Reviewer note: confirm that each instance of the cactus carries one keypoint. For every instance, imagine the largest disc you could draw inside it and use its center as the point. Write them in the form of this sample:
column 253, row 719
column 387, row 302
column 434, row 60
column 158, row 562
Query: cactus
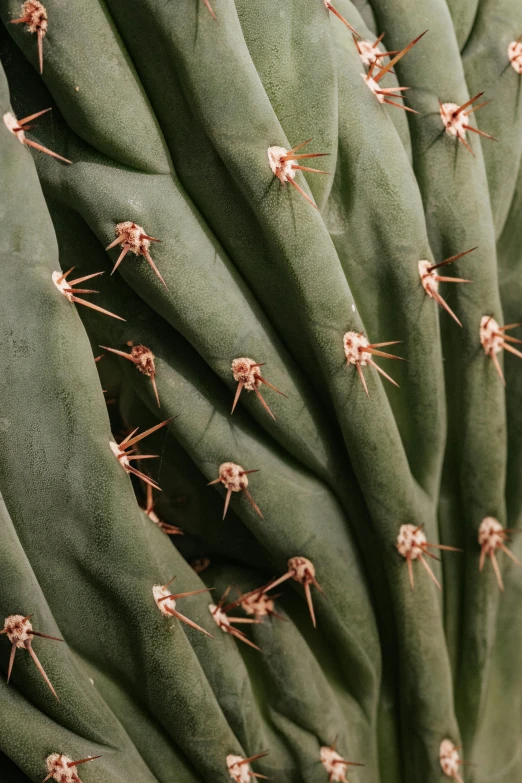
column 298, row 624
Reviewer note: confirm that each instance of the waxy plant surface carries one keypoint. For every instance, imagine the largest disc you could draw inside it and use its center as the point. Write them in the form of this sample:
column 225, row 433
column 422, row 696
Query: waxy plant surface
column 260, row 420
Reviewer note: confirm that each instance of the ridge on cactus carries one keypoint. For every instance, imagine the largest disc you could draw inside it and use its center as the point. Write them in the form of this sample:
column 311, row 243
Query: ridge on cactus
column 179, row 118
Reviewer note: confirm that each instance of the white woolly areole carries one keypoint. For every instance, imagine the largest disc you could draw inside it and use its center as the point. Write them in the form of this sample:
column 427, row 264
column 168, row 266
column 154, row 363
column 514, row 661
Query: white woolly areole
column 219, row 617
column 428, row 279
column 231, row 476
column 453, row 123
column 245, row 372
column 119, row 454
column 490, row 337
column 373, row 86
column 515, row 55
column 61, row 285
column 368, row 52
column 333, row 763
column 281, row 168
column 133, row 235
column 238, row 772
column 18, row 629
column 36, row 16
column 354, row 345
column 490, row 535
column 159, row 591
column 302, row 569
column 258, row 604
column 11, row 123
column 449, row 758
column 57, row 767
column 411, row 541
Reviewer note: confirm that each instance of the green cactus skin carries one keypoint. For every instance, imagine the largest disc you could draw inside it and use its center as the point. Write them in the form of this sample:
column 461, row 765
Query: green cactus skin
column 487, row 69
column 167, row 114
column 480, row 450
column 59, row 355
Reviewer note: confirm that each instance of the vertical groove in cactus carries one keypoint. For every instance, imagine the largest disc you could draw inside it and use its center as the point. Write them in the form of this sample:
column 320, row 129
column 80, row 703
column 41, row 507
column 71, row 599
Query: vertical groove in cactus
column 260, row 428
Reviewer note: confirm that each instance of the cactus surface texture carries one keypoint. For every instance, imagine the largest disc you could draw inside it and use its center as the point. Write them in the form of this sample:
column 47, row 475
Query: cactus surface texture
column 260, row 424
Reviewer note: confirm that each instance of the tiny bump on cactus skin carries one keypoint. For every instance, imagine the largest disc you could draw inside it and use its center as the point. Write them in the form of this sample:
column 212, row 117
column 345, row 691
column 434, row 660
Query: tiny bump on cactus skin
column 455, row 120
column 235, row 479
column 225, row 623
column 413, row 545
column 34, row 16
column 239, row 767
column 450, row 760
column 63, row 769
column 283, row 165
column 515, row 56
column 358, row 351
column 493, row 339
column 134, row 239
column 246, row 373
column 19, row 631
column 335, row 765
column 430, row 280
column 491, row 537
column 19, row 127
column 166, row 603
